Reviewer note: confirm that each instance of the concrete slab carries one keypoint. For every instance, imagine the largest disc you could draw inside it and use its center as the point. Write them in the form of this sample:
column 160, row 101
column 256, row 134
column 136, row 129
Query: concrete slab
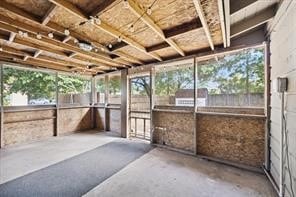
column 16, row 161
column 162, row 173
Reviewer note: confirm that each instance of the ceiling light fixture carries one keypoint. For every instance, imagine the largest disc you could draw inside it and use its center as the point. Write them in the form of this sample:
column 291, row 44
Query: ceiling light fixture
column 125, row 4
column 50, row 35
column 132, row 29
column 38, row 36
column 67, row 32
column 25, row 34
column 119, row 39
column 20, row 33
column 149, row 11
column 85, row 46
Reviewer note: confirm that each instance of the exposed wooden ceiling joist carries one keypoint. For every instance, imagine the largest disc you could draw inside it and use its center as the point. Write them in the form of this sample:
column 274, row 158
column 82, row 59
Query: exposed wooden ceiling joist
column 33, row 62
column 50, row 13
column 52, row 42
column 150, row 23
column 183, row 28
column 203, row 20
column 227, row 21
column 11, row 37
column 169, row 33
column 253, row 22
column 103, row 26
column 222, row 22
column 37, row 53
column 50, row 60
column 50, row 26
column 236, row 5
column 158, row 46
column 103, row 6
column 50, row 50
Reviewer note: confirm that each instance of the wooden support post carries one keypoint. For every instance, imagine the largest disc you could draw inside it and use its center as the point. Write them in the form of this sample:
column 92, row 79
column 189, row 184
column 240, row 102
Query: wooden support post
column 124, row 100
column 56, row 131
column 195, row 105
column 152, row 92
column 93, row 102
column 267, row 104
column 107, row 118
column 2, row 112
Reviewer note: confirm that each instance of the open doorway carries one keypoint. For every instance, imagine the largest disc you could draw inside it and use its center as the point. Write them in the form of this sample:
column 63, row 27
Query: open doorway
column 139, row 107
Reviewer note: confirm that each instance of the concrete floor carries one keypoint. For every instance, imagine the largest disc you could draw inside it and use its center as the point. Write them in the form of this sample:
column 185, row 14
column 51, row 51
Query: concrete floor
column 16, row 161
column 160, row 172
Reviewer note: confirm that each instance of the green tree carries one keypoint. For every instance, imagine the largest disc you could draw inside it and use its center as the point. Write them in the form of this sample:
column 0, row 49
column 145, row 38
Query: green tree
column 39, row 84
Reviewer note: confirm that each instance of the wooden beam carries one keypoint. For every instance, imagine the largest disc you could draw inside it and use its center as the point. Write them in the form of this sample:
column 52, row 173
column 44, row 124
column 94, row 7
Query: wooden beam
column 49, row 27
column 103, row 6
column 118, row 45
column 11, row 37
column 103, row 26
column 44, row 58
column 183, row 28
column 56, row 43
column 72, row 54
column 237, row 5
column 227, row 21
column 19, row 59
column 157, row 46
column 50, row 50
column 26, row 57
column 222, row 22
column 255, row 21
column 150, row 23
column 203, row 20
column 66, row 39
column 49, row 14
column 37, row 53
column 127, row 57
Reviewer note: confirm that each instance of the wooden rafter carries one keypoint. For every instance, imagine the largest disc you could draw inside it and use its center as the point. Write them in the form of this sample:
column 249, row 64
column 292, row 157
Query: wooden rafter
column 50, row 50
column 49, row 14
column 50, row 26
column 53, row 42
column 255, row 21
column 33, row 62
column 103, row 6
column 150, row 23
column 237, row 5
column 11, row 37
column 203, row 20
column 227, row 21
column 37, row 53
column 103, row 26
column 183, row 28
column 222, row 22
column 44, row 58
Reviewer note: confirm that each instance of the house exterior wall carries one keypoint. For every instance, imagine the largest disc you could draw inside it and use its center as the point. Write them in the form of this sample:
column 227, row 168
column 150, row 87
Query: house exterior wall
column 283, row 64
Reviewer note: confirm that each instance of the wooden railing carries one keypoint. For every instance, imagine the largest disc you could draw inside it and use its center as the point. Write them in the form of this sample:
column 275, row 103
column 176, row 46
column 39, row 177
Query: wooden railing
column 139, row 121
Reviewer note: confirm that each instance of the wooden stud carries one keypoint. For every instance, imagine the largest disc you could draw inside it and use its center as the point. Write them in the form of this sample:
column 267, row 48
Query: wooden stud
column 203, row 20
column 148, row 21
